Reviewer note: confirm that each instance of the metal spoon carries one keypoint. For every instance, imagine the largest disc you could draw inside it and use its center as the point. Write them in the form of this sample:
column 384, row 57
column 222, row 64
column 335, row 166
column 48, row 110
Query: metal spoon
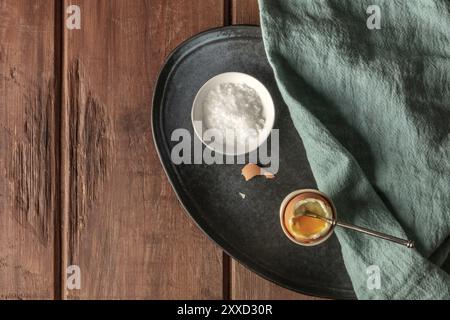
column 407, row 243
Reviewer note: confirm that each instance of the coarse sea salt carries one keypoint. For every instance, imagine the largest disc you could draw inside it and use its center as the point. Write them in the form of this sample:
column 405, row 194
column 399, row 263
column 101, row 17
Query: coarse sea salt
column 234, row 108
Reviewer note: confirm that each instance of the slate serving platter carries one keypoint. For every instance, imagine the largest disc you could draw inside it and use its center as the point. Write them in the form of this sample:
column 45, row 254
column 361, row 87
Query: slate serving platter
column 247, row 229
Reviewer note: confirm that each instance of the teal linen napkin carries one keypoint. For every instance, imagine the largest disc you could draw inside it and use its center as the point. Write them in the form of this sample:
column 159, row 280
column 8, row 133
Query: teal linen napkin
column 373, row 110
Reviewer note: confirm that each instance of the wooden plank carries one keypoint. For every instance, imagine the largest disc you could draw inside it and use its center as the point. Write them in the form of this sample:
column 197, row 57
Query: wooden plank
column 28, row 152
column 244, row 283
column 123, row 225
column 245, row 12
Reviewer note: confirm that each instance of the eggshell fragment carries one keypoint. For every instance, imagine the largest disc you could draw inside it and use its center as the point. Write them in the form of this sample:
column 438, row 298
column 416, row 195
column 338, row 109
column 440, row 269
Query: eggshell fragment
column 252, row 170
column 267, row 174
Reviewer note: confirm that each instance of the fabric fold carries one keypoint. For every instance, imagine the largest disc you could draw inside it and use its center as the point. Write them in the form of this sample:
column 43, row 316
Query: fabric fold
column 372, row 108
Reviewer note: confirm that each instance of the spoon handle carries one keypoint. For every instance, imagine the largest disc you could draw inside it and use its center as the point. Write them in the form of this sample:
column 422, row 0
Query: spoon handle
column 407, row 243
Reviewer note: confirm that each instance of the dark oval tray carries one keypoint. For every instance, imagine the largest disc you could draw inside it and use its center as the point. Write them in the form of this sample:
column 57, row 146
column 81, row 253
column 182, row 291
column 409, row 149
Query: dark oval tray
column 247, row 229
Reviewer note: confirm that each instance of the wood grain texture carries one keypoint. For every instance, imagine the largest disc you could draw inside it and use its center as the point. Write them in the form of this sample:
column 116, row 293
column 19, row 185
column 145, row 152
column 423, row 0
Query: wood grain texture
column 28, row 152
column 245, row 12
column 123, row 224
column 247, row 285
column 244, row 283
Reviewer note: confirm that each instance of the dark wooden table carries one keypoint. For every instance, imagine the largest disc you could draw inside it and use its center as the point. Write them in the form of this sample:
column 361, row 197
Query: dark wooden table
column 81, row 183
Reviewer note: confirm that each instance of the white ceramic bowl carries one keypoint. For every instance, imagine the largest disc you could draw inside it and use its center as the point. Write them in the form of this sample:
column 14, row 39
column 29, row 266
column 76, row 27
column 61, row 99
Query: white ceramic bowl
column 238, row 78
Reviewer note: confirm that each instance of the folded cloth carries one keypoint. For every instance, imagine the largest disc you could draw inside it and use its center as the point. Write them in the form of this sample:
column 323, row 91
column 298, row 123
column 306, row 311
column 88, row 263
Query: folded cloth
column 372, row 107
